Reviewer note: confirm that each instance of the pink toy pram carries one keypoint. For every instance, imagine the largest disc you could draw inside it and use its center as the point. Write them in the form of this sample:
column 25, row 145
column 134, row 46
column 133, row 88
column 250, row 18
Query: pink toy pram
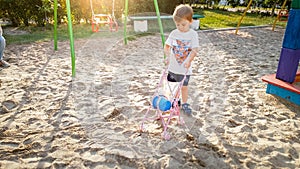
column 166, row 107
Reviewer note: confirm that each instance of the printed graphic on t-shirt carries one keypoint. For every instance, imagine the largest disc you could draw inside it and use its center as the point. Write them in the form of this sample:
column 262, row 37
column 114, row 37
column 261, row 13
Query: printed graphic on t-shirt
column 181, row 50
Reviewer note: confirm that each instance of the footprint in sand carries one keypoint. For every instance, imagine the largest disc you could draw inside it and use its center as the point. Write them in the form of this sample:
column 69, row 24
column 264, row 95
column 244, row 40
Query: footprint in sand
column 8, row 105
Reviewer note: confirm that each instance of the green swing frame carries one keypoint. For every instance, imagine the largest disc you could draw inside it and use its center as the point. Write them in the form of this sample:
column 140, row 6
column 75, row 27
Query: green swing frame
column 70, row 29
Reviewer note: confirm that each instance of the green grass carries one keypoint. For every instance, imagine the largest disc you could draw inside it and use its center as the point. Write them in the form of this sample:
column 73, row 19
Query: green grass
column 34, row 35
column 38, row 34
column 214, row 19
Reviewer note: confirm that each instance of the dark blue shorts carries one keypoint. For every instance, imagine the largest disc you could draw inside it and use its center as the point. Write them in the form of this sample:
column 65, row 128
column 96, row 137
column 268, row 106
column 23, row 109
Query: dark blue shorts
column 172, row 77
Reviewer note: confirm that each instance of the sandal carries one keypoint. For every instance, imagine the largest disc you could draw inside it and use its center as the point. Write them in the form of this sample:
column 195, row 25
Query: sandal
column 4, row 64
column 186, row 109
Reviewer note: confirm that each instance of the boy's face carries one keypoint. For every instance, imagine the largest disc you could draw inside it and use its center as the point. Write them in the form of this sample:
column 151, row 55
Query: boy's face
column 183, row 25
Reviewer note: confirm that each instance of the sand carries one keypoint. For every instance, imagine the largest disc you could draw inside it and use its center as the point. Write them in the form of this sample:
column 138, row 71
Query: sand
column 50, row 120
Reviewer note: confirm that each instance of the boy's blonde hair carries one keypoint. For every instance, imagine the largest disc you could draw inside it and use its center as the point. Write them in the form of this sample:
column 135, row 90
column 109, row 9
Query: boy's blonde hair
column 183, row 12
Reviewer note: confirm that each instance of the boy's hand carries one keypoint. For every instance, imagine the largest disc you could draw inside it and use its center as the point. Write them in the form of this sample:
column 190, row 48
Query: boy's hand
column 187, row 64
column 167, row 60
column 167, row 52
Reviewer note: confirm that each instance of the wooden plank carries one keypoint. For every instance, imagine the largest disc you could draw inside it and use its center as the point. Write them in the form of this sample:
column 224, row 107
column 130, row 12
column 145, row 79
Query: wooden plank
column 291, row 39
column 271, row 79
column 288, row 64
column 283, row 93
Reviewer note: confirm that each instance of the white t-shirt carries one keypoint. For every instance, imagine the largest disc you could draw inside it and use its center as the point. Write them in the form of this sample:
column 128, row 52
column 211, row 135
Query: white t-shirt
column 181, row 44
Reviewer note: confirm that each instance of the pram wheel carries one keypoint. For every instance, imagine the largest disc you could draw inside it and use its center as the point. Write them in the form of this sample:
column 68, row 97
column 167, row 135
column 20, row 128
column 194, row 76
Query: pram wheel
column 166, row 135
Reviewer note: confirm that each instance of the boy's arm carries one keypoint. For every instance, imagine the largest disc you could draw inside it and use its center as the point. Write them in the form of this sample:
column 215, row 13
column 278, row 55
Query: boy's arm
column 193, row 54
column 167, row 49
column 1, row 30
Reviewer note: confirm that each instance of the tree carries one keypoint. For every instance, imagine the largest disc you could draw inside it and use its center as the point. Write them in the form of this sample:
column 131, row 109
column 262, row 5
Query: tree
column 273, row 4
column 21, row 12
column 40, row 12
column 165, row 6
column 234, row 3
column 42, row 16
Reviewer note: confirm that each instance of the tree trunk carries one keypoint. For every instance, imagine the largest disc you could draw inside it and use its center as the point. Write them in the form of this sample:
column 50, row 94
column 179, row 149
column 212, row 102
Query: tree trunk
column 273, row 9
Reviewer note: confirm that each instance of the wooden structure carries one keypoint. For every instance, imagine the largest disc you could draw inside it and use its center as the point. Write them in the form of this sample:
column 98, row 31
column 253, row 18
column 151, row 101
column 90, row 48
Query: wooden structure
column 285, row 90
column 285, row 83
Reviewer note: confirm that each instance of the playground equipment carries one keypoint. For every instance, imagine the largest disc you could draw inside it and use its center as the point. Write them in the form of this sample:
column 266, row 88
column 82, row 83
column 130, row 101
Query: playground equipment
column 140, row 23
column 70, row 29
column 165, row 103
column 158, row 20
column 98, row 19
column 244, row 14
column 282, row 15
column 285, row 83
column 288, row 91
column 72, row 49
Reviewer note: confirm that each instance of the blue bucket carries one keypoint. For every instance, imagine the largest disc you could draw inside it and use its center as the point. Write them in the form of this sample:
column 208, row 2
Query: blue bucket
column 163, row 103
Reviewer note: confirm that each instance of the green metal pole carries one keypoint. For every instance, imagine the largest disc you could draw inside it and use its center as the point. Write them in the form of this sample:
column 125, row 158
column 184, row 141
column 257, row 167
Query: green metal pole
column 55, row 24
column 125, row 22
column 160, row 24
column 71, row 36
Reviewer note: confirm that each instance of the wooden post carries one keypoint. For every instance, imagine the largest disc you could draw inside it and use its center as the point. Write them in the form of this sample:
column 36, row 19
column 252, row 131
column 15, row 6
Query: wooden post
column 238, row 26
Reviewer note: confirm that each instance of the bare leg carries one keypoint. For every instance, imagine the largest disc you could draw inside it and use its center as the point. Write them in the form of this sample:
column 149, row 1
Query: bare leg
column 184, row 92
